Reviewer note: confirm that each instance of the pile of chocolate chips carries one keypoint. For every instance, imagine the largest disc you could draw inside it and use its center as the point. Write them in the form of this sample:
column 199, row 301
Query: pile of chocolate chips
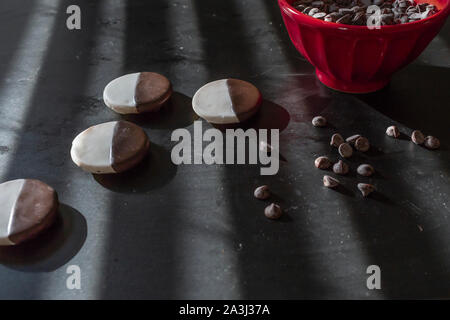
column 355, row 12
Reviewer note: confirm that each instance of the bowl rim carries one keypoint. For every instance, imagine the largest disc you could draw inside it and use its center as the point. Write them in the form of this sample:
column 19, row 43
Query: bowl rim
column 288, row 8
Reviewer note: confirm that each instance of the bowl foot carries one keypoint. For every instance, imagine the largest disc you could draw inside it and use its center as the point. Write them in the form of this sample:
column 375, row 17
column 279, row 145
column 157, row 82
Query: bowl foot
column 350, row 87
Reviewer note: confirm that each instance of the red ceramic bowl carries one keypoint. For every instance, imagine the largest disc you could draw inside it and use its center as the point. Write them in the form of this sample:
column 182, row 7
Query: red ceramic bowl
column 354, row 58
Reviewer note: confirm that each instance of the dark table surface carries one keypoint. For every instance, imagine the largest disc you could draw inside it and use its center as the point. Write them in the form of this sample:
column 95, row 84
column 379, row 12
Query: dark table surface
column 195, row 231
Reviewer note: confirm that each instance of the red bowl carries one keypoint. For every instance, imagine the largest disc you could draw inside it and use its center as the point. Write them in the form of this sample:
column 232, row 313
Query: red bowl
column 357, row 59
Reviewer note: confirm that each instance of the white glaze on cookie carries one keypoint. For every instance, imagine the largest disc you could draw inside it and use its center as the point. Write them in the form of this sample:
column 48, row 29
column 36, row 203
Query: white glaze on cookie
column 9, row 193
column 91, row 149
column 119, row 94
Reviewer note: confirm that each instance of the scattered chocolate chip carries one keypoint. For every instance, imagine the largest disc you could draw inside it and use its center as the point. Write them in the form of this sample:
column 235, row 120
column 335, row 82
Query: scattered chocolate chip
column 273, row 211
column 262, row 192
column 393, row 131
column 322, row 163
column 340, row 167
column 319, row 121
column 365, row 170
column 366, row 188
column 417, row 137
column 432, row 142
column 362, row 144
column 336, row 140
column 345, row 150
column 352, row 139
column 330, row 182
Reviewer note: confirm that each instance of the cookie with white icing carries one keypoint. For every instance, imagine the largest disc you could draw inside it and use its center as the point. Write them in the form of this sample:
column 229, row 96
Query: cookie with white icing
column 137, row 93
column 28, row 207
column 227, row 101
column 110, row 147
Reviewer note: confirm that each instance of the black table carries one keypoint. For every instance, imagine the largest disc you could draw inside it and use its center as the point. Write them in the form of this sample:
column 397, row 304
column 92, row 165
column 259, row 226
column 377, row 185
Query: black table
column 195, row 231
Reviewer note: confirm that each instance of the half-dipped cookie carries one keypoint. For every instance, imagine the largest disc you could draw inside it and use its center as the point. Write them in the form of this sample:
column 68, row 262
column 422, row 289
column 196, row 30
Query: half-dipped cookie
column 28, row 207
column 227, row 101
column 137, row 93
column 110, row 147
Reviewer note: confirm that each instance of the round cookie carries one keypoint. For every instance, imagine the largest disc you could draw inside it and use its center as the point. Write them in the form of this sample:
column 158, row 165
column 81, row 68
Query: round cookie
column 28, row 207
column 110, row 147
column 137, row 93
column 227, row 101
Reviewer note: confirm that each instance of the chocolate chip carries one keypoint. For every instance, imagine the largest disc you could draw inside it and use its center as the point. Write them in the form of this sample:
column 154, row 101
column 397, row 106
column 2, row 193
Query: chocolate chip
column 319, row 121
column 421, row 7
column 427, row 13
column 333, row 7
column 330, row 182
column 359, row 18
column 393, row 131
column 300, row 7
column 317, row 4
column 262, row 192
column 432, row 142
column 340, row 167
column 366, row 188
column 346, row 19
column 345, row 150
column 365, row 170
column 306, row 10
column 319, row 15
column 345, row 11
column 415, row 16
column 417, row 137
column 330, row 17
column 336, row 140
column 273, row 211
column 352, row 139
column 362, row 144
column 322, row 163
column 313, row 11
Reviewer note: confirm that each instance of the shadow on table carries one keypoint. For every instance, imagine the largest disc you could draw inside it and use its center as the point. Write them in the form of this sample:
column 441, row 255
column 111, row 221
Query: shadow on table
column 177, row 113
column 155, row 170
column 51, row 250
column 418, row 104
column 445, row 33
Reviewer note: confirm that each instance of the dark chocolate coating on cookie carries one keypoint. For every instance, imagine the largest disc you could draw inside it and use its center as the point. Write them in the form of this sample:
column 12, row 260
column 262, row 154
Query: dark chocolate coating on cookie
column 129, row 146
column 243, row 95
column 152, row 91
column 35, row 211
